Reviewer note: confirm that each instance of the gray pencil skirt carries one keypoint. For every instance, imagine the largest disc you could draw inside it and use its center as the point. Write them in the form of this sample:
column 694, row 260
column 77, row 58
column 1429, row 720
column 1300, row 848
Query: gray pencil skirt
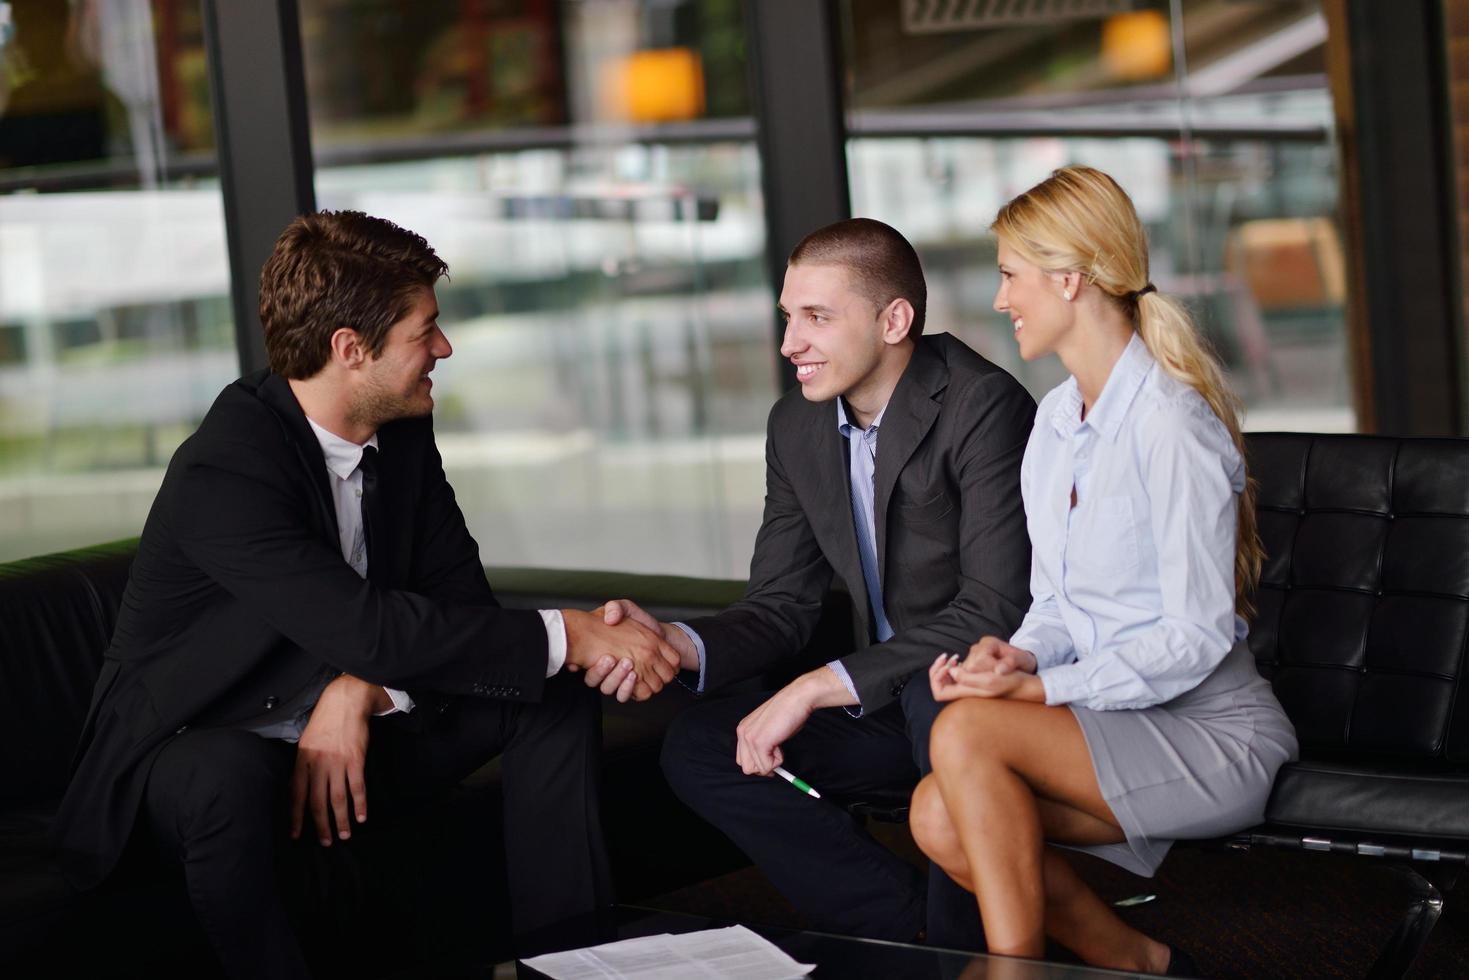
column 1200, row 765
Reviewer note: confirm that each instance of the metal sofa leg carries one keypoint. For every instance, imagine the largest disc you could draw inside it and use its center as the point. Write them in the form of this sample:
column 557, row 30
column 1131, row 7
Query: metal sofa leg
column 1418, row 920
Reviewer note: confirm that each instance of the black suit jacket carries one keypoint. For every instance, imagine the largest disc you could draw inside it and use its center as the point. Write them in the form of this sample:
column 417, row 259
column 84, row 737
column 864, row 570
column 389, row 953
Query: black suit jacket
column 951, row 538
column 239, row 596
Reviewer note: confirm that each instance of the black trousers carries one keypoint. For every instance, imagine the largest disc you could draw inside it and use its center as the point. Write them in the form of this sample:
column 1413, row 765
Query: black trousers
column 216, row 801
column 813, row 850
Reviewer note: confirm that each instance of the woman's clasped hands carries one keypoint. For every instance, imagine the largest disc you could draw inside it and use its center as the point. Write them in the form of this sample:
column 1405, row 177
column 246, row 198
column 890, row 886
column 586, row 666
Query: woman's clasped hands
column 993, row 669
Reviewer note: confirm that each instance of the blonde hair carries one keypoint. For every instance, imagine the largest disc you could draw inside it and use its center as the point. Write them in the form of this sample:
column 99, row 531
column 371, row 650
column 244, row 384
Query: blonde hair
column 1080, row 220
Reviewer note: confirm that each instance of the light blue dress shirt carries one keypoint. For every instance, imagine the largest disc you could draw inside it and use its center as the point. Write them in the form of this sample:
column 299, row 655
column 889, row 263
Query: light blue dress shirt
column 862, row 449
column 1133, row 592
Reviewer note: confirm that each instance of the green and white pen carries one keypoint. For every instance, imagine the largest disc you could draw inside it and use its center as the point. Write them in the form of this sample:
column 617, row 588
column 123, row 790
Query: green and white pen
column 797, row 782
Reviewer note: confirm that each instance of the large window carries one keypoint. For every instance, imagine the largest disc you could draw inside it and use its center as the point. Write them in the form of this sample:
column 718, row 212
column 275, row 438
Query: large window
column 1214, row 114
column 588, row 170
column 115, row 327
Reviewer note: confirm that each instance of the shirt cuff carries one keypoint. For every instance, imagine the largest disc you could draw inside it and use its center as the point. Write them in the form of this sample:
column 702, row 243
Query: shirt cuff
column 555, row 640
column 401, row 702
column 1064, row 684
column 840, row 669
column 1034, row 640
column 698, row 642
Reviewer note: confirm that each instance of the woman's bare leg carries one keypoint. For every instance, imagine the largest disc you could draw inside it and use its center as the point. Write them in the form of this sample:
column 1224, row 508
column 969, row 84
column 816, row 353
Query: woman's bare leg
column 1007, row 776
column 1079, row 920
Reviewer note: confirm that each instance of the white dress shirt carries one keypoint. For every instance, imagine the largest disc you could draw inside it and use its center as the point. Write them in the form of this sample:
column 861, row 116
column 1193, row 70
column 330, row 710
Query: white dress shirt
column 343, row 460
column 1133, row 591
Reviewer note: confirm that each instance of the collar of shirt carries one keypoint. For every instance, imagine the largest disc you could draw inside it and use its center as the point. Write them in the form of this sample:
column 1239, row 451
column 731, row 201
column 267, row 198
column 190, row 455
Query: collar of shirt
column 845, row 426
column 342, row 455
column 1118, row 394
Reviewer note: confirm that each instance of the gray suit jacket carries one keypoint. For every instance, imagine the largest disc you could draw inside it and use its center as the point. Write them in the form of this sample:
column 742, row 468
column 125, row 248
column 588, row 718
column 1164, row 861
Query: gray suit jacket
column 951, row 538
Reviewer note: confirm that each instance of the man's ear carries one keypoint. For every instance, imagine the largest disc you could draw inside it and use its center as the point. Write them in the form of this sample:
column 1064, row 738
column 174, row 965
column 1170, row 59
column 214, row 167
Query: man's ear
column 897, row 321
column 347, row 348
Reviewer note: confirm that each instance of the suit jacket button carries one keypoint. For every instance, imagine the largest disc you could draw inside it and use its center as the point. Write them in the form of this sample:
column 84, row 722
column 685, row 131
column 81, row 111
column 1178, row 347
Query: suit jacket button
column 271, row 702
column 181, row 729
column 515, row 692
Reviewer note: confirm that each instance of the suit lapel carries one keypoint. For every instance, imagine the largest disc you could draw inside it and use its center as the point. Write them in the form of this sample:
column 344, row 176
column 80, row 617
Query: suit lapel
column 276, row 393
column 911, row 412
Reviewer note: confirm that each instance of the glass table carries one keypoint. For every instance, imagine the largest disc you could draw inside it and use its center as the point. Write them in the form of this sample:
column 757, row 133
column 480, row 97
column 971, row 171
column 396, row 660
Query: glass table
column 835, row 956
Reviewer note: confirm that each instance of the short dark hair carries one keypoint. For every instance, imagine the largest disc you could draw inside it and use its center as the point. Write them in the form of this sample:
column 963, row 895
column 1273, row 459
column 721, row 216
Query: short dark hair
column 883, row 265
column 336, row 269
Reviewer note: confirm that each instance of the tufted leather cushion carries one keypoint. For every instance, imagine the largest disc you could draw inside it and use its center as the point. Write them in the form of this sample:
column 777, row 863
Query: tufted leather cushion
column 1362, row 623
column 56, row 618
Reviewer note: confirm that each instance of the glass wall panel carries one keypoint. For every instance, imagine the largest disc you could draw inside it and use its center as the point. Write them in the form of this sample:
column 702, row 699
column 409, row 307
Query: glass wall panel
column 115, row 324
column 599, row 207
column 1214, row 114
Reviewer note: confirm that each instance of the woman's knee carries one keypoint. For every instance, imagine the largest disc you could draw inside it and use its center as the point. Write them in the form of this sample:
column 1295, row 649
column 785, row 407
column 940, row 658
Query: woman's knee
column 929, row 822
column 962, row 735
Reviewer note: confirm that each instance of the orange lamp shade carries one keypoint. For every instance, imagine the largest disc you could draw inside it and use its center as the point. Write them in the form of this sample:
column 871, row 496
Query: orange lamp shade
column 662, row 85
column 1136, row 45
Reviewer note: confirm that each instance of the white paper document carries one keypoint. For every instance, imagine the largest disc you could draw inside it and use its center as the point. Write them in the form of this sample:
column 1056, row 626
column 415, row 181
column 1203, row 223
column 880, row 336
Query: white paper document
column 735, row 953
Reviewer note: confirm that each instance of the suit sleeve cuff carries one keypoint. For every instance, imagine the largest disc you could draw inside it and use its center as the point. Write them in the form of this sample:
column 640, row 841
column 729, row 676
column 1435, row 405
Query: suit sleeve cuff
column 698, row 642
column 555, row 640
column 401, row 702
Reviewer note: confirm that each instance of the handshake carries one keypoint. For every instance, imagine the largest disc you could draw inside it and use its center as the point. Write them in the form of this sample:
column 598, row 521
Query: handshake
column 624, row 651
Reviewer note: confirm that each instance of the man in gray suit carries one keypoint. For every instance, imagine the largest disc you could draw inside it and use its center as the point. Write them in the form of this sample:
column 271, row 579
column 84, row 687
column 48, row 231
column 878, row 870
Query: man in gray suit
column 923, row 526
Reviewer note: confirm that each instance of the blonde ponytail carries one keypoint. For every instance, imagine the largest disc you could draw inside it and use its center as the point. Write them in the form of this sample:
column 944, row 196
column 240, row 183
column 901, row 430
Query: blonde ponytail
column 1079, row 219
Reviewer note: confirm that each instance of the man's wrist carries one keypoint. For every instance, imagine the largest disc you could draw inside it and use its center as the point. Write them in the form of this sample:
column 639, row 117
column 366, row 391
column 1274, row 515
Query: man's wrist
column 574, row 620
column 822, row 688
column 364, row 697
column 682, row 643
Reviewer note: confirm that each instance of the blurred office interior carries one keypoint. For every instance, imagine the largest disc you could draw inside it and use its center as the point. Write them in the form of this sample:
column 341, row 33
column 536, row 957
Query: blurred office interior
column 615, row 183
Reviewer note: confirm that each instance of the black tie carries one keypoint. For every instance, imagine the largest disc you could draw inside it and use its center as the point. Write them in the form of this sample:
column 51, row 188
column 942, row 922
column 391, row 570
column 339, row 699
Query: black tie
column 376, row 570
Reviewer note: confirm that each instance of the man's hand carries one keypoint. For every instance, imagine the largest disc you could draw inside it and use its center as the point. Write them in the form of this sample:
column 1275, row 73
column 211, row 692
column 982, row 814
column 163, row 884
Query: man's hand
column 331, row 756
column 639, row 658
column 760, row 734
column 616, row 678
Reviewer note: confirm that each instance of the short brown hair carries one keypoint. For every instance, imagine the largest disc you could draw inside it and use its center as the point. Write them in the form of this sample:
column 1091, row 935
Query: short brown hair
column 883, row 265
column 336, row 269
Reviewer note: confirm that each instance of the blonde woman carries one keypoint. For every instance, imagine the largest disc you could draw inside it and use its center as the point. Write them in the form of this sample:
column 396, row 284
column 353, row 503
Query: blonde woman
column 1126, row 711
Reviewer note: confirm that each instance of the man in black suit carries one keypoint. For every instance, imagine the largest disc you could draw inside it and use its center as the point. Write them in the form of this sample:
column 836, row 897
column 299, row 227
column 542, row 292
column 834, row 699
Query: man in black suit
column 924, row 527
column 305, row 554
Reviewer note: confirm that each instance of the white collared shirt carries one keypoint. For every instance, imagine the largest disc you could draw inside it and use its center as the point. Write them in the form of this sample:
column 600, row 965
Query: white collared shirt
column 1133, row 592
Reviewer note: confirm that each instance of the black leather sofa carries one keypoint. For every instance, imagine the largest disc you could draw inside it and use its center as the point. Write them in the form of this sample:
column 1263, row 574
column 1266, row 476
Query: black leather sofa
column 434, row 883
column 1363, row 626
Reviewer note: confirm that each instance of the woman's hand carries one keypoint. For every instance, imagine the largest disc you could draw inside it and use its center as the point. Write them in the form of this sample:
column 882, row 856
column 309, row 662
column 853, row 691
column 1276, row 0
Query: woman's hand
column 949, row 680
column 992, row 654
